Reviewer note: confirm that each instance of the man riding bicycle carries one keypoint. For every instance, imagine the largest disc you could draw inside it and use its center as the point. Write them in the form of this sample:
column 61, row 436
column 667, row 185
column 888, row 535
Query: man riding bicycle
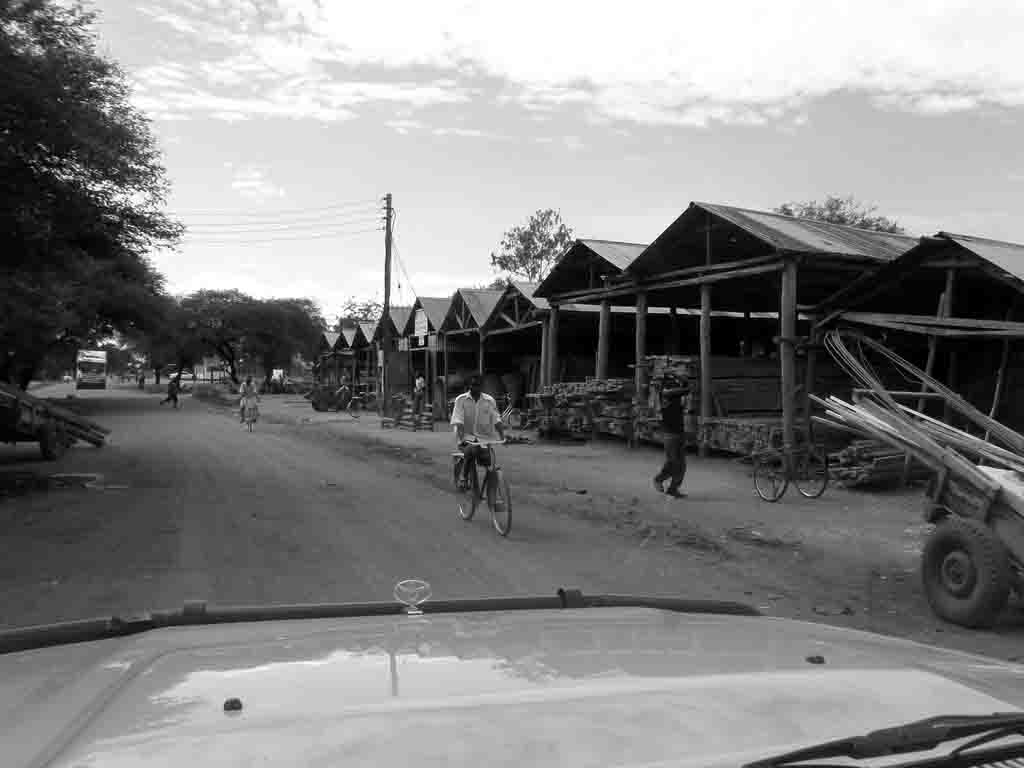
column 475, row 415
column 249, row 395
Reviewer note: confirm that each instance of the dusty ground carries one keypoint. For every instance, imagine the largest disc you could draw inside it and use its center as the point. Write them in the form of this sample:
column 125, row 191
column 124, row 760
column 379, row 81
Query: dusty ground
column 318, row 507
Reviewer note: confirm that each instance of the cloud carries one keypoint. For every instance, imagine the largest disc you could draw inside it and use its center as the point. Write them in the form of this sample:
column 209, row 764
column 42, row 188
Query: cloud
column 251, row 182
column 470, row 133
column 665, row 63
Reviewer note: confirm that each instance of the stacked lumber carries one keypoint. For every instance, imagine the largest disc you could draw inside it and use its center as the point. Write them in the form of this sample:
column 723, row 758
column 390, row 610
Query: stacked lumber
column 579, row 408
column 871, row 462
column 29, row 413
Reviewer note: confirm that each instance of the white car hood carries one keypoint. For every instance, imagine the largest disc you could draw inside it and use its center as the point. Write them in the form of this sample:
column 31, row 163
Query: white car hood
column 588, row 687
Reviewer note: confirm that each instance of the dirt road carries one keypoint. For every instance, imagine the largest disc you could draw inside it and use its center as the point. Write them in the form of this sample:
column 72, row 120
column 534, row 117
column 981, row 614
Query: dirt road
column 190, row 505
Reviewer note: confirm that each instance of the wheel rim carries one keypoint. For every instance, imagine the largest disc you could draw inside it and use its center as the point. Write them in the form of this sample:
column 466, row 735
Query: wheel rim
column 957, row 573
column 500, row 503
column 770, row 480
column 464, row 500
column 812, row 476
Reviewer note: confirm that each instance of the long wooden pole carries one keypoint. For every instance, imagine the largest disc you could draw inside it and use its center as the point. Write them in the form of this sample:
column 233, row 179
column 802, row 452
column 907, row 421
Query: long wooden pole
column 1000, row 376
column 787, row 352
column 545, row 341
column 705, row 351
column 553, row 346
column 641, row 347
column 386, row 314
column 604, row 331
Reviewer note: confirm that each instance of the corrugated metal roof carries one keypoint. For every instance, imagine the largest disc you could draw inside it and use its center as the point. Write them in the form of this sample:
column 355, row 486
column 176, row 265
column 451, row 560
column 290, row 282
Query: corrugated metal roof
column 1007, row 256
column 369, row 328
column 331, row 338
column 614, row 252
column 350, row 333
column 480, row 302
column 527, row 290
column 808, row 236
column 435, row 309
column 400, row 316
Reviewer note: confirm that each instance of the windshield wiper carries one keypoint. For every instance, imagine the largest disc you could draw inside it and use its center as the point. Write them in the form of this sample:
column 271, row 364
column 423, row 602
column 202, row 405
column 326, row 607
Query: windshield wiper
column 918, row 736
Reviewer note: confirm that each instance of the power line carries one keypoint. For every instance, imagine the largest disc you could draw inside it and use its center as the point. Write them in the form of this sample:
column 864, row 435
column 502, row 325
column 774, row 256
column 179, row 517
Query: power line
column 240, row 229
column 279, row 212
column 310, row 236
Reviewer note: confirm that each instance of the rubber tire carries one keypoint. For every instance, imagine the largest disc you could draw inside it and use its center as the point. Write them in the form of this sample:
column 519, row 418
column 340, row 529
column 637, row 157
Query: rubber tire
column 760, row 468
column 994, row 577
column 498, row 481
column 466, row 501
column 52, row 442
column 811, row 491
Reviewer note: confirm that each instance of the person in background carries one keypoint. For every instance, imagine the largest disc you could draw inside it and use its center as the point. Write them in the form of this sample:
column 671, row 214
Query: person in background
column 246, row 393
column 419, row 392
column 673, row 396
column 475, row 416
column 172, row 391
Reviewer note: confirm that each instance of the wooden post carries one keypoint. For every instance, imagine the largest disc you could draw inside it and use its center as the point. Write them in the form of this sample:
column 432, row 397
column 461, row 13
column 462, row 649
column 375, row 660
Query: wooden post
column 705, row 370
column 810, row 372
column 951, row 375
column 553, row 346
column 545, row 341
column 641, row 347
column 481, row 354
column 746, row 334
column 787, row 352
column 1000, row 375
column 673, row 339
column 604, row 332
column 443, row 339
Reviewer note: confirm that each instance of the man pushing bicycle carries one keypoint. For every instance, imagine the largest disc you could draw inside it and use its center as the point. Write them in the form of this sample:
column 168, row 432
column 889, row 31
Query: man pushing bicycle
column 475, row 415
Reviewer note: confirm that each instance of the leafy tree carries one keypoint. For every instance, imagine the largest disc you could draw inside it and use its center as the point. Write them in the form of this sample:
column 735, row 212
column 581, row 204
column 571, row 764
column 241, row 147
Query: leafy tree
column 841, row 210
column 220, row 320
column 529, row 251
column 278, row 329
column 497, row 284
column 359, row 310
column 81, row 190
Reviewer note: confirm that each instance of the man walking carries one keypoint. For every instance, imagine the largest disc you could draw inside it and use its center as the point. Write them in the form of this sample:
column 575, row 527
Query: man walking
column 172, row 392
column 673, row 395
column 419, row 392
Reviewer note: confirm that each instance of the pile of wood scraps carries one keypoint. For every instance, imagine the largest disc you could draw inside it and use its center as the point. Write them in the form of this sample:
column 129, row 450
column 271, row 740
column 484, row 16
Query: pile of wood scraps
column 870, row 463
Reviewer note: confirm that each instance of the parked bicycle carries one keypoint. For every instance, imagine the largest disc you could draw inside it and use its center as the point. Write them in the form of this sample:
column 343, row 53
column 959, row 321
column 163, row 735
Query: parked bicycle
column 805, row 466
column 492, row 487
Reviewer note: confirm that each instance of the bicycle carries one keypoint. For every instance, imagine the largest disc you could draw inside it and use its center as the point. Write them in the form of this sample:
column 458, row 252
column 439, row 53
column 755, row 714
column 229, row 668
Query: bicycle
column 251, row 414
column 806, row 466
column 494, row 488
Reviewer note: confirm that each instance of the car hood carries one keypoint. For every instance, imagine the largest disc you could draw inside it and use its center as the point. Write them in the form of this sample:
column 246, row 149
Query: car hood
column 593, row 686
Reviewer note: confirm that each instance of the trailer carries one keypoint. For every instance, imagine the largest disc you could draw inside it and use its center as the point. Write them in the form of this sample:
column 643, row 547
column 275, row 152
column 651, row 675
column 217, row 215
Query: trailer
column 25, row 418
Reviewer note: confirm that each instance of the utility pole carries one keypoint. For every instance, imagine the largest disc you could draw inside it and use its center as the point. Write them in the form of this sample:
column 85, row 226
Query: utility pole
column 386, row 317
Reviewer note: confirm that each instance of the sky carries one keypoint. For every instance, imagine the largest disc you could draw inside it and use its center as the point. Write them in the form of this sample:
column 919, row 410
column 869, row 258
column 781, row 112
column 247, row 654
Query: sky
column 284, row 122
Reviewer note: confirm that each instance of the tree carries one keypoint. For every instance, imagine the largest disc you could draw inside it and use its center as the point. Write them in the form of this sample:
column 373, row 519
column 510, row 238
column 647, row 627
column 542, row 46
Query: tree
column 359, row 310
column 81, row 190
column 497, row 284
column 278, row 329
column 841, row 210
column 220, row 320
column 529, row 251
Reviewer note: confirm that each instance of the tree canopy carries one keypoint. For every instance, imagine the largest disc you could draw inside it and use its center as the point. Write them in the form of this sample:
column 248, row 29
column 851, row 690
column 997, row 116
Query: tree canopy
column 81, row 190
column 529, row 251
column 841, row 210
column 359, row 310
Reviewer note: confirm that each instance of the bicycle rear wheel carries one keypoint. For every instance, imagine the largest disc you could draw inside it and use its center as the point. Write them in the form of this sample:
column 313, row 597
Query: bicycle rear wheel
column 499, row 499
column 811, row 473
column 770, row 479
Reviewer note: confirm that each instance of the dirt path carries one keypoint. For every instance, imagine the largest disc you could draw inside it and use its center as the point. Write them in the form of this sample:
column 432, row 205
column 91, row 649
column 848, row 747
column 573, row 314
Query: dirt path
column 191, row 506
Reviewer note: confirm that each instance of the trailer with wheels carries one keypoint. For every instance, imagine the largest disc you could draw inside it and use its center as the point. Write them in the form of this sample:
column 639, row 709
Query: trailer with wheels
column 25, row 418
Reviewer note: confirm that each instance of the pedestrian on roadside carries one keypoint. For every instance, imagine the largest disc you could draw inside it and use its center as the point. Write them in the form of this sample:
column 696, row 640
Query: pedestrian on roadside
column 172, row 392
column 673, row 395
column 419, row 392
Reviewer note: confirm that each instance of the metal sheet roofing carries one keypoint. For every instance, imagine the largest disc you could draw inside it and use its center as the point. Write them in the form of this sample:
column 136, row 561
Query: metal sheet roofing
column 480, row 302
column 400, row 316
column 619, row 254
column 351, row 334
column 1007, row 256
column 789, row 233
column 435, row 309
column 331, row 338
column 369, row 328
column 527, row 290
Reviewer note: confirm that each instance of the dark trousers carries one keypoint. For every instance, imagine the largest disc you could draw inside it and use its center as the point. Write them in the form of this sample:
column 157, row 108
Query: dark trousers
column 472, row 454
column 675, row 462
column 417, row 402
column 171, row 398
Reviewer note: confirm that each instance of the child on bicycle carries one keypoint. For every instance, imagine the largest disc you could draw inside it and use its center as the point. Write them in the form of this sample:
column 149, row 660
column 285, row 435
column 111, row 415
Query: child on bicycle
column 475, row 415
column 248, row 395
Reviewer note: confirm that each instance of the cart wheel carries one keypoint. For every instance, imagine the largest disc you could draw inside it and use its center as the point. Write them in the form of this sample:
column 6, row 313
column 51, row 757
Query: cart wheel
column 770, row 480
column 966, row 572
column 53, row 441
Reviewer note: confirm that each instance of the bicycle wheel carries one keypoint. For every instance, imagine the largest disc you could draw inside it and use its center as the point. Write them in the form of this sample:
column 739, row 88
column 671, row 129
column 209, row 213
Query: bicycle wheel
column 770, row 480
column 811, row 473
column 467, row 500
column 499, row 499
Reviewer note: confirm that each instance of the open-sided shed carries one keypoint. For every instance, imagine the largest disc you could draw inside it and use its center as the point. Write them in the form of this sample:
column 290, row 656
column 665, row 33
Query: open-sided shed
column 422, row 340
column 735, row 259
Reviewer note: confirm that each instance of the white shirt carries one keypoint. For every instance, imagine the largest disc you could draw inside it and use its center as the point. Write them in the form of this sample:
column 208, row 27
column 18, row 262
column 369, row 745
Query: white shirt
column 421, row 383
column 478, row 417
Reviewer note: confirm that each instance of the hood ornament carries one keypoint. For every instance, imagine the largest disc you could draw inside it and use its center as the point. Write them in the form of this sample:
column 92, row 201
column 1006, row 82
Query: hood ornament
column 412, row 593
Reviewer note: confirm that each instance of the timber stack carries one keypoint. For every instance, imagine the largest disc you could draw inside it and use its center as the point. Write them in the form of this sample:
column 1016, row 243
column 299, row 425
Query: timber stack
column 871, row 463
column 579, row 408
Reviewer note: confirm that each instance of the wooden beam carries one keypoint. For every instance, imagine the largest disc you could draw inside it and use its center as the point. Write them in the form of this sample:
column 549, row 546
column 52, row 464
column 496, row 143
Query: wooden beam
column 604, row 332
column 519, row 327
column 787, row 353
column 507, row 319
column 951, row 374
column 947, row 321
column 545, row 341
column 705, row 351
column 655, row 285
column 674, row 333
